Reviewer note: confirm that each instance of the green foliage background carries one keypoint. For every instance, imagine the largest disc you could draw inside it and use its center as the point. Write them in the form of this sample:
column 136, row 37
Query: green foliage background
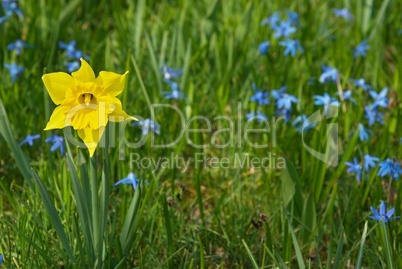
column 307, row 215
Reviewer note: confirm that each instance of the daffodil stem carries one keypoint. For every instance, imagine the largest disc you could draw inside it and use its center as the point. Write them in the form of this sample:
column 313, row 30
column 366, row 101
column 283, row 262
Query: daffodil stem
column 95, row 205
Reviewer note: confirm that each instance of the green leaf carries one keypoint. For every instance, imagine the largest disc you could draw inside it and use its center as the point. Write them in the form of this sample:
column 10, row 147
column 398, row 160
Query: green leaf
column 54, row 216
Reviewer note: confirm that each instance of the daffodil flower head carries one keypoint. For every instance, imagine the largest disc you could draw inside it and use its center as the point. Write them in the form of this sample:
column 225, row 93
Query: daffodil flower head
column 85, row 102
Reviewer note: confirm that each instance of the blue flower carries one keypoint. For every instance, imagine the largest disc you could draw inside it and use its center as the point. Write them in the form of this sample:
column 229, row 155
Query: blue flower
column 72, row 52
column 263, row 47
column 347, row 96
column 284, row 113
column 147, row 126
column 1, row 259
column 58, row 143
column 356, row 168
column 383, row 215
column 72, row 66
column 329, row 74
column 259, row 116
column 78, row 54
column 15, row 71
column 175, row 92
column 391, row 168
column 17, row 46
column 130, row 179
column 373, row 115
column 361, row 83
column 293, row 17
column 276, row 94
column 361, row 49
column 271, row 20
column 301, row 123
column 291, row 47
column 380, row 99
column 363, row 133
column 370, row 162
column 259, row 96
column 10, row 7
column 326, row 100
column 69, row 47
column 29, row 140
column 284, row 29
column 285, row 101
column 343, row 13
column 170, row 73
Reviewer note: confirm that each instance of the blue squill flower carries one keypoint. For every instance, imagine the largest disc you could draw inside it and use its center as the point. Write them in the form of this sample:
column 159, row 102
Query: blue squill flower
column 15, row 71
column 361, row 49
column 58, row 143
column 175, row 93
column 291, row 47
column 276, row 94
column 18, row 46
column 263, row 47
column 69, row 48
column 325, row 100
column 370, row 162
column 286, row 113
column 343, row 13
column 373, row 115
column 355, row 167
column 301, row 123
column 329, row 74
column 347, row 96
column 380, row 99
column 363, row 133
column 293, row 17
column 271, row 20
column 72, row 66
column 259, row 116
column 283, row 29
column 131, row 179
column 29, row 139
column 147, row 125
column 383, row 216
column 361, row 83
column 285, row 101
column 78, row 54
column 170, row 73
column 390, row 167
column 259, row 96
column 10, row 8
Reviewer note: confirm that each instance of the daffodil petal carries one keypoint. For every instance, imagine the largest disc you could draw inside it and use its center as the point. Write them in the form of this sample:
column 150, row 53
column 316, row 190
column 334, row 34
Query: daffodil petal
column 91, row 138
column 118, row 115
column 57, row 85
column 112, row 83
column 85, row 73
column 57, row 119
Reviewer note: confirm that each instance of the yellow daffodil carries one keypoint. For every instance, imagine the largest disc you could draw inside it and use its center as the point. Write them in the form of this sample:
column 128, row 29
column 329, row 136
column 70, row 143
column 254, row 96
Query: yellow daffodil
column 86, row 103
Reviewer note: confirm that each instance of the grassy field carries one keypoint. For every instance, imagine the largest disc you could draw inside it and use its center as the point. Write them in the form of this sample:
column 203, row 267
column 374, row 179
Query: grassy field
column 227, row 177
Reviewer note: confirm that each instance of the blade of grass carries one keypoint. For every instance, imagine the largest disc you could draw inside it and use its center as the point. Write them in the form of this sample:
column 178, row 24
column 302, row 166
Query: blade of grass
column 53, row 215
column 250, row 255
column 361, row 250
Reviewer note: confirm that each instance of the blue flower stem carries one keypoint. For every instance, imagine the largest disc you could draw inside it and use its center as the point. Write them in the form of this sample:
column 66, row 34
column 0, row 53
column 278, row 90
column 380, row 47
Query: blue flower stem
column 386, row 245
column 389, row 188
